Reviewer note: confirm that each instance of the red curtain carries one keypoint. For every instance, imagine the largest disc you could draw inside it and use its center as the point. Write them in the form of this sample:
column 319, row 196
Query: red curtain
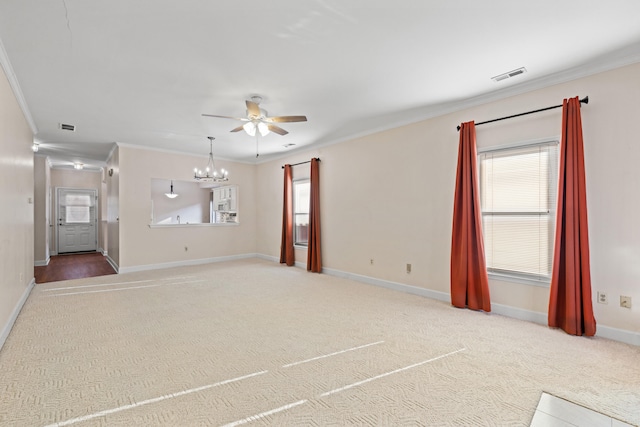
column 469, row 280
column 314, row 253
column 287, row 255
column 570, row 306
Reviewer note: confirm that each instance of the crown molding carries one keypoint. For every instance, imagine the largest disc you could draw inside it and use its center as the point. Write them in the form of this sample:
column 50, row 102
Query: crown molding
column 168, row 151
column 629, row 55
column 15, row 86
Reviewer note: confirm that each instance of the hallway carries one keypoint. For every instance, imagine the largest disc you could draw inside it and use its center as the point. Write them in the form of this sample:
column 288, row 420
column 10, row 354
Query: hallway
column 73, row 266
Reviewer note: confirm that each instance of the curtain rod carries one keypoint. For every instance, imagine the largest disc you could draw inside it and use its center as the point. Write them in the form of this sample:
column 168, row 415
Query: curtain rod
column 302, row 163
column 584, row 100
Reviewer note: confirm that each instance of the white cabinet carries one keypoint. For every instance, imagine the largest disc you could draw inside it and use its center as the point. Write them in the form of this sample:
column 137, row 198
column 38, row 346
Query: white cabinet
column 233, row 198
column 225, row 204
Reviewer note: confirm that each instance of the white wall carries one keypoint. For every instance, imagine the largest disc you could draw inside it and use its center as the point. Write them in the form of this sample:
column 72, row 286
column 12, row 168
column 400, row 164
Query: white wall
column 41, row 209
column 16, row 215
column 389, row 196
column 113, row 207
column 142, row 246
column 103, row 229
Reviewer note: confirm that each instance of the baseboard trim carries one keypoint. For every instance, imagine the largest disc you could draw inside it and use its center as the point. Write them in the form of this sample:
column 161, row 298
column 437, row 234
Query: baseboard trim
column 622, row 335
column 113, row 264
column 16, row 311
column 519, row 313
column 183, row 263
column 402, row 287
column 602, row 331
column 298, row 264
column 42, row 263
column 268, row 257
column 440, row 296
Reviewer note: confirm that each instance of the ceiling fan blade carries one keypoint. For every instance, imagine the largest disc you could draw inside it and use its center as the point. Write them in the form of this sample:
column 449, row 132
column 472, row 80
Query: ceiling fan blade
column 253, row 109
column 276, row 129
column 238, row 129
column 244, row 119
column 286, row 119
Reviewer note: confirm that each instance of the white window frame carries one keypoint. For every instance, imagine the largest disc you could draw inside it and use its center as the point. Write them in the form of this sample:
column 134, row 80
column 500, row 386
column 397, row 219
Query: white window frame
column 514, row 276
column 296, row 213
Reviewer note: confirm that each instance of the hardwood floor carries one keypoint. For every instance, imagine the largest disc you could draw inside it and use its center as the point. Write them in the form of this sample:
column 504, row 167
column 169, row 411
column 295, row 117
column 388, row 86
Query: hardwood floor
column 73, row 266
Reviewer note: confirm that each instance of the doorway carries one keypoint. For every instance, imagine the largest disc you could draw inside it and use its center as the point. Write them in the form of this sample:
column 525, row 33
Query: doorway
column 77, row 221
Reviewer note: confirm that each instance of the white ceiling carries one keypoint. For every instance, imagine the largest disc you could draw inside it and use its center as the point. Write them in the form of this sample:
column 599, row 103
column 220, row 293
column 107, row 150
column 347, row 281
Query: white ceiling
column 142, row 72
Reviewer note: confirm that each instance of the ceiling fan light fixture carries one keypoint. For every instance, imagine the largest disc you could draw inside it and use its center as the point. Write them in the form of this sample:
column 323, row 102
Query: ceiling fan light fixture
column 258, row 120
column 250, row 128
column 263, row 129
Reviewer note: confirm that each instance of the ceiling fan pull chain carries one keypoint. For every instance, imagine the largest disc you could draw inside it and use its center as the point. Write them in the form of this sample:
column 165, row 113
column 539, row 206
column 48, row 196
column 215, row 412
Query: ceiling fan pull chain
column 257, row 154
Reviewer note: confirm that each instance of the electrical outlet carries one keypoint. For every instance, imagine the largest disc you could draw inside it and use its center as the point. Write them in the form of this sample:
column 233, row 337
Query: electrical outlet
column 602, row 298
column 408, row 268
column 371, row 261
column 625, row 301
column 186, row 248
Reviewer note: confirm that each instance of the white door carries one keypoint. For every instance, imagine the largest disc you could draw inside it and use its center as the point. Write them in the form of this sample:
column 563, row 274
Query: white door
column 77, row 223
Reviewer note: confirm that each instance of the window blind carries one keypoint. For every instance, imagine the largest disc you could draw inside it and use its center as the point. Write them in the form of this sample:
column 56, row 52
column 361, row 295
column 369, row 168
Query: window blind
column 301, row 199
column 518, row 197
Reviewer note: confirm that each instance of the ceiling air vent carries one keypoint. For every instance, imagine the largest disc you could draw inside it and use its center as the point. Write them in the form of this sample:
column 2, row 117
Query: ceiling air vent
column 510, row 74
column 65, row 126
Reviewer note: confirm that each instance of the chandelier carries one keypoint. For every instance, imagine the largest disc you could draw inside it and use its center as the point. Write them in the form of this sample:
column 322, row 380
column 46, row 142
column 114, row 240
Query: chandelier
column 210, row 173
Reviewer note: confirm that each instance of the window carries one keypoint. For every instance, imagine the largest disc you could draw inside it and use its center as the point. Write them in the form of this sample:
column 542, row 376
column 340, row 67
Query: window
column 301, row 191
column 518, row 187
column 77, row 208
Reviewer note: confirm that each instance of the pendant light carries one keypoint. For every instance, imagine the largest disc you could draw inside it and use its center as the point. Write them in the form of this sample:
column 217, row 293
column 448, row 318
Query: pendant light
column 171, row 194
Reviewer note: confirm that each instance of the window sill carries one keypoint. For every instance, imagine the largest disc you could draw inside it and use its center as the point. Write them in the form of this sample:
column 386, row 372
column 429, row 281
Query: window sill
column 543, row 283
column 199, row 224
column 300, row 247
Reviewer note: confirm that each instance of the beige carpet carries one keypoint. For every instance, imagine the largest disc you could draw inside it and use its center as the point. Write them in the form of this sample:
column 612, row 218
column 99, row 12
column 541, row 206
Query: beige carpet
column 253, row 342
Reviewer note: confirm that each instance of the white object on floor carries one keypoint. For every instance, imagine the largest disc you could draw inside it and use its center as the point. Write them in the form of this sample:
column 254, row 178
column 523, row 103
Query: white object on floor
column 555, row 412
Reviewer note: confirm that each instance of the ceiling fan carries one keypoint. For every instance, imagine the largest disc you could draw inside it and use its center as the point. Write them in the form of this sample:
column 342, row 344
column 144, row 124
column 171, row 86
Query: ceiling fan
column 257, row 119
